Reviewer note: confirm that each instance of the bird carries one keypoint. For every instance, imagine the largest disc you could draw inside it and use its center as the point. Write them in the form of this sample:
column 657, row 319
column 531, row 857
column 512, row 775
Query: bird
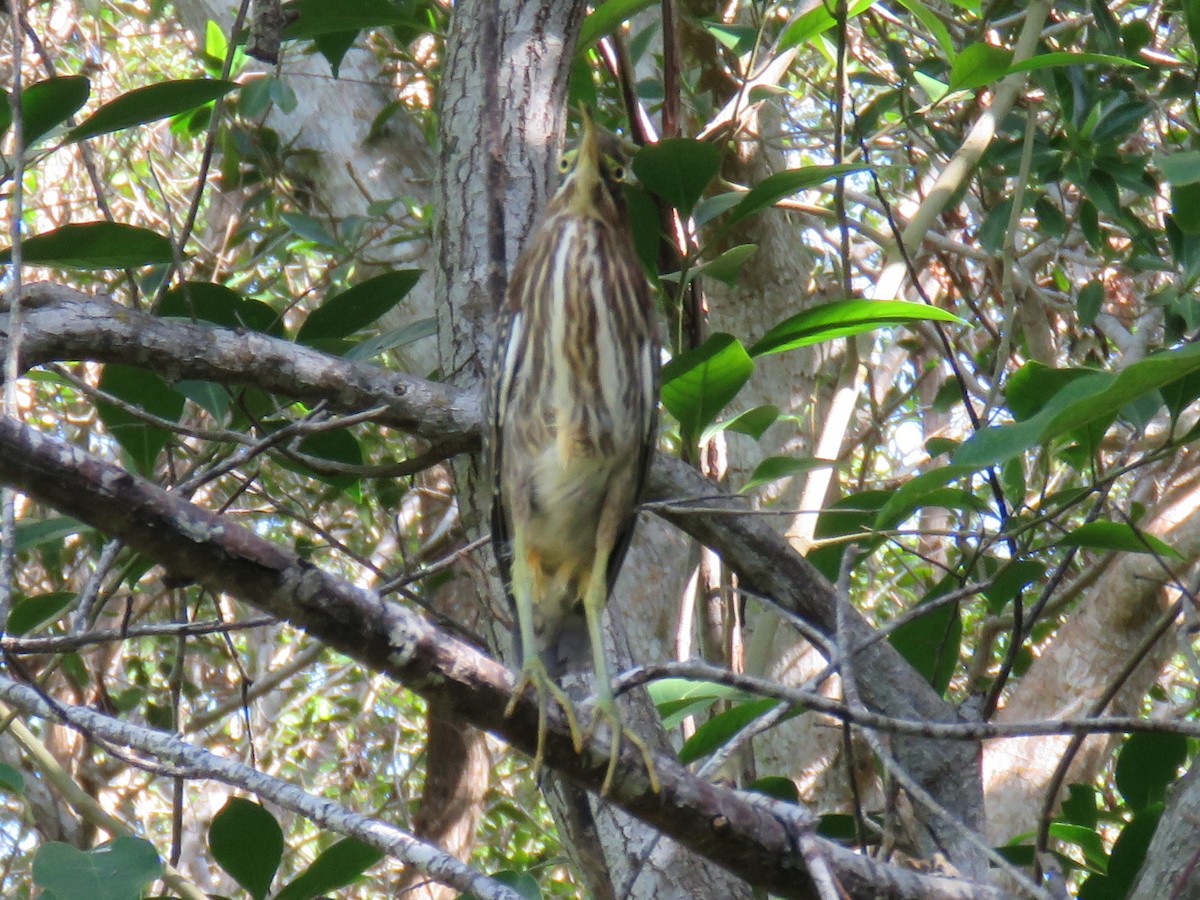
column 572, row 428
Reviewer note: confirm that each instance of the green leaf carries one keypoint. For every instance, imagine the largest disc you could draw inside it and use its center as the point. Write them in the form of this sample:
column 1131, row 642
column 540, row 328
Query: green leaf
column 336, row 867
column 308, row 228
column 677, row 169
column 776, row 786
column 1080, row 806
column 94, row 245
column 775, row 187
column 138, row 387
column 678, row 698
column 1085, row 400
column 30, row 613
column 933, row 24
column 737, row 38
column 1146, row 764
column 979, row 65
column 697, row 384
column 393, row 338
column 118, row 870
column 1179, row 168
column 721, row 728
column 752, row 422
column 220, row 305
column 930, row 643
column 1191, row 16
column 31, row 534
column 607, row 17
column 149, row 104
column 1090, row 301
column 247, row 842
column 47, row 104
column 1086, row 839
column 1129, row 852
column 844, row 317
column 815, row 21
column 356, row 308
column 775, row 467
column 1116, row 536
column 852, row 516
column 1185, row 206
column 1064, row 58
column 11, row 779
column 726, row 267
column 320, row 17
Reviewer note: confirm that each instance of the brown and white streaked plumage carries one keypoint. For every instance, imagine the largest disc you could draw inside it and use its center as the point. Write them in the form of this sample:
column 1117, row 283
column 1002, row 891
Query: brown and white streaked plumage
column 572, row 423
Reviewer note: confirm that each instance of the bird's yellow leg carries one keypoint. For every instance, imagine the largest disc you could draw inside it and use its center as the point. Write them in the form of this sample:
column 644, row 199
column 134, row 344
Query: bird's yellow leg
column 606, row 704
column 533, row 670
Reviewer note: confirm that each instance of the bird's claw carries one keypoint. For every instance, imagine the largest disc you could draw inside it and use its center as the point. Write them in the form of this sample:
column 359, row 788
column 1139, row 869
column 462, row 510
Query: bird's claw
column 607, row 709
column 535, row 675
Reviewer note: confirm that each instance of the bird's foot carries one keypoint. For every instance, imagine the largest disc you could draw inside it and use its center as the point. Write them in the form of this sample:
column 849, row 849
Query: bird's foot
column 534, row 674
column 606, row 708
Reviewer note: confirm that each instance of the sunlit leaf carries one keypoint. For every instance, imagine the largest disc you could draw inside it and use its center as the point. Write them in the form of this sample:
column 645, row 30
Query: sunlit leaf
column 844, row 317
column 149, row 104
column 697, row 384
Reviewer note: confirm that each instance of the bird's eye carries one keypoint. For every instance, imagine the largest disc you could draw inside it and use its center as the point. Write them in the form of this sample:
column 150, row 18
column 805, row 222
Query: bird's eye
column 564, row 163
column 617, row 172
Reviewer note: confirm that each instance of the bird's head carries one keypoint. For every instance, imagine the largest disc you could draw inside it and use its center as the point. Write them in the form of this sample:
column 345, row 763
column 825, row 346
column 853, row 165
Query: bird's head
column 594, row 172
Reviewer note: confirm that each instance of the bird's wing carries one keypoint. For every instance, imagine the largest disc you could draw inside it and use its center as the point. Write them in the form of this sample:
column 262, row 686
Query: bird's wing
column 506, row 361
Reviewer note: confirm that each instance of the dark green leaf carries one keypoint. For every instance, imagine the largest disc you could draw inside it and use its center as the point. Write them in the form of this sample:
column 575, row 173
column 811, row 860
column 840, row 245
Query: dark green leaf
column 721, row 728
column 220, row 305
column 318, row 17
column 776, row 786
column 393, row 338
column 850, row 516
column 752, row 422
column 1080, row 806
column 47, row 104
column 336, row 867
column 1116, row 536
column 118, row 870
column 1086, row 839
column 979, row 65
column 1085, row 400
column 697, row 384
column 934, row 25
column 606, row 17
column 775, row 467
column 841, row 318
column 31, row 534
column 1191, row 16
column 308, row 228
column 246, row 841
column 149, row 104
column 1011, row 580
column 1180, row 168
column 1128, row 854
column 94, row 245
column 1185, row 206
column 677, row 169
column 11, row 779
column 1146, row 764
column 775, row 187
column 930, row 644
column 1090, row 301
column 30, row 613
column 140, row 388
column 356, row 308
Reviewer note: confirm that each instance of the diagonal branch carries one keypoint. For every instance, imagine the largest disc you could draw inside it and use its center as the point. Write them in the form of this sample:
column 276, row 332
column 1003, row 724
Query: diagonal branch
column 759, row 840
column 61, row 324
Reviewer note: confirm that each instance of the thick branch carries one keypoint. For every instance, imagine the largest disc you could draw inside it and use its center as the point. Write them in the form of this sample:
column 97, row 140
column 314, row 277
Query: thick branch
column 754, row 838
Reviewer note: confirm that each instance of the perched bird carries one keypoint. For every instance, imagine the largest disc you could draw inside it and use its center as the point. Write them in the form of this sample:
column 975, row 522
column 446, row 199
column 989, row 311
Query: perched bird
column 572, row 426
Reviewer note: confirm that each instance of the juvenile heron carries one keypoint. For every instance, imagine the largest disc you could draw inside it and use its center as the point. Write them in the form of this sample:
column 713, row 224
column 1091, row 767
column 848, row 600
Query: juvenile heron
column 572, row 427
